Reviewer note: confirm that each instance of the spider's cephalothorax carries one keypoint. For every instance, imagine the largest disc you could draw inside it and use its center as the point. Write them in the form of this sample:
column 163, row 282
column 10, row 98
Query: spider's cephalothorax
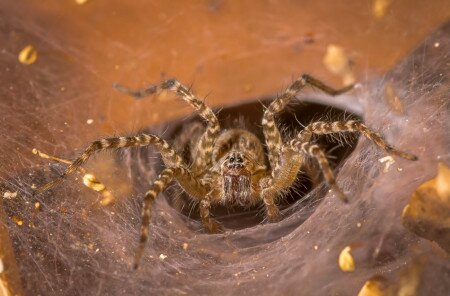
column 240, row 164
column 230, row 167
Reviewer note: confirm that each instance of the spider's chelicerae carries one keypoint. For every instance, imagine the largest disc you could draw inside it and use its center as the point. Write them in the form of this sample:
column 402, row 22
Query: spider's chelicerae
column 230, row 167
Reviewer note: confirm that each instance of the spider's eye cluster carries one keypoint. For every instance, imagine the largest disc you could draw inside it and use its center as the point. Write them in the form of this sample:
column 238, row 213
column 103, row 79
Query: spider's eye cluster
column 237, row 159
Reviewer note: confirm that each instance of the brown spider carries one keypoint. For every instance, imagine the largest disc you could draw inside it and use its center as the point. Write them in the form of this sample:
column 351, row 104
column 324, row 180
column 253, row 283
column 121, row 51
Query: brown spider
column 229, row 167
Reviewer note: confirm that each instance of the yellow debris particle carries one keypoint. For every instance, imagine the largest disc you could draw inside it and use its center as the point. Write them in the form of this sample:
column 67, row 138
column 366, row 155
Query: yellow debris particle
column 107, row 199
column 337, row 62
column 427, row 213
column 443, row 182
column 90, row 121
column 410, row 279
column 4, row 290
column 372, row 287
column 164, row 96
column 28, row 55
column 88, row 179
column 37, row 205
column 81, row 2
column 162, row 257
column 10, row 195
column 185, row 246
column 346, row 261
column 91, row 181
column 316, row 247
column 17, row 220
column 380, row 7
column 248, row 87
column 388, row 161
column 46, row 156
column 406, row 284
column 393, row 99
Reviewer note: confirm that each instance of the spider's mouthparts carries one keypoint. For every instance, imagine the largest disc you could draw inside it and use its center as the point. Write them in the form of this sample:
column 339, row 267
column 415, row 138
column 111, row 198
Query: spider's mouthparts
column 237, row 188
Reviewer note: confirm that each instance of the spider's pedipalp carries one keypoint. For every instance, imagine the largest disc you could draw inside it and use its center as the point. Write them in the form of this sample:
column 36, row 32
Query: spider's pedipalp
column 210, row 224
column 280, row 179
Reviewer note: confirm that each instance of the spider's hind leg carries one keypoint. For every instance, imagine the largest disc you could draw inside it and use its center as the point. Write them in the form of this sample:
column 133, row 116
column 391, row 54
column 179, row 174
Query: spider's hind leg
column 314, row 151
column 323, row 128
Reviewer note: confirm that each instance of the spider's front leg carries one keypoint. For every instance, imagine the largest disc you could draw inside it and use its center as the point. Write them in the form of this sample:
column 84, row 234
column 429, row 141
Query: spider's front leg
column 170, row 157
column 203, row 152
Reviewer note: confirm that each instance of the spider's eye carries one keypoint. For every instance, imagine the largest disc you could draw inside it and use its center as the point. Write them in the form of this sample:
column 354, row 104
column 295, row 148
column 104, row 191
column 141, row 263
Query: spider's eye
column 239, row 159
column 232, row 159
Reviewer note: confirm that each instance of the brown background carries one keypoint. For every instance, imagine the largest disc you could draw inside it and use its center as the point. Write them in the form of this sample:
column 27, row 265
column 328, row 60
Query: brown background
column 230, row 51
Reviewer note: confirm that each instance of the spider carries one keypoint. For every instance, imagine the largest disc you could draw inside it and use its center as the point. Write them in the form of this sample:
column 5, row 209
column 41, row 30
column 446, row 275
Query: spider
column 229, row 167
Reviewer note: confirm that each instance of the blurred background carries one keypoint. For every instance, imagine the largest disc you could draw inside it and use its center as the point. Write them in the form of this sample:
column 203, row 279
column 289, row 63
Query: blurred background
column 59, row 60
column 229, row 51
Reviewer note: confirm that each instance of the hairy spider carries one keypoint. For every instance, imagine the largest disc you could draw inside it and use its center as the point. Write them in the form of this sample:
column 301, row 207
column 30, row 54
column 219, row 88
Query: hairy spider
column 230, row 167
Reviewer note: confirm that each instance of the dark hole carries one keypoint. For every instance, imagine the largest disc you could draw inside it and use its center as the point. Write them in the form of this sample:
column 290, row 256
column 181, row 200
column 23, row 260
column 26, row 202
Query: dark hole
column 248, row 116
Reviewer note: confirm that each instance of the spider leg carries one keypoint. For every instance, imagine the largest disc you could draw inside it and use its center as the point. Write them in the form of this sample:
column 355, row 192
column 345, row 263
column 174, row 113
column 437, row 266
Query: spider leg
column 314, row 151
column 188, row 138
column 170, row 157
column 271, row 132
column 205, row 145
column 322, row 128
column 157, row 187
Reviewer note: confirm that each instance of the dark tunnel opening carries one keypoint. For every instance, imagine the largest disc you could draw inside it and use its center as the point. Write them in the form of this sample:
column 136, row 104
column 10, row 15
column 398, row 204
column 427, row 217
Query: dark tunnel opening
column 248, row 116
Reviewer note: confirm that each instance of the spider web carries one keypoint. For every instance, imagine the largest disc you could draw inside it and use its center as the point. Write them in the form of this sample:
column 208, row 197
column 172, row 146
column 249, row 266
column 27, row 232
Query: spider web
column 69, row 245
